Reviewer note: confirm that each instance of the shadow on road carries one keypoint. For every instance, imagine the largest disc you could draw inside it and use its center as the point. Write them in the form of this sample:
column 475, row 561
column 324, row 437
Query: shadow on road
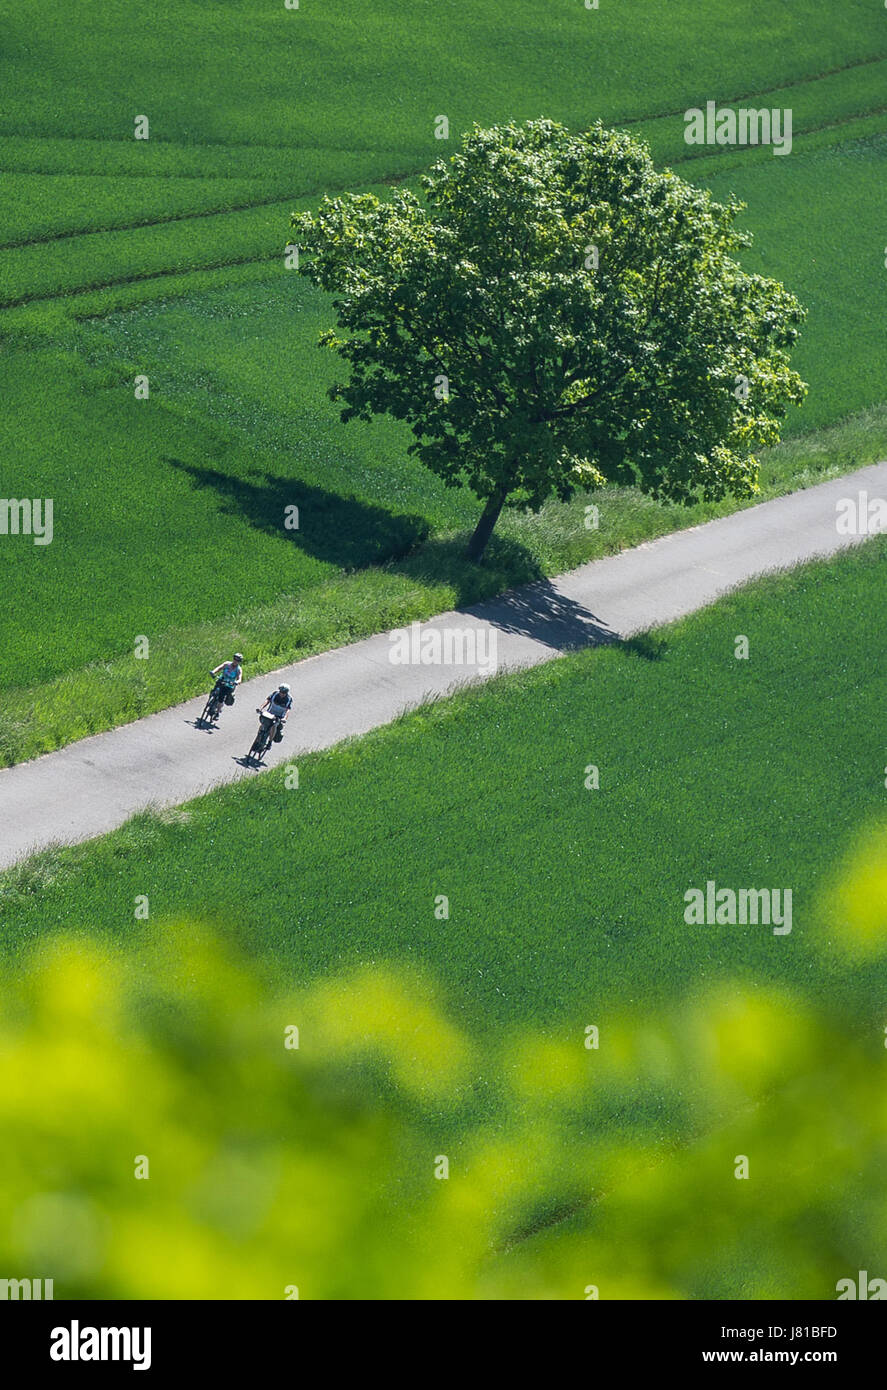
column 538, row 611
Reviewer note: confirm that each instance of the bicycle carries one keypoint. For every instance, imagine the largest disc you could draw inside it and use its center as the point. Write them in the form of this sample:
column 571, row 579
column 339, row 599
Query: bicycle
column 264, row 738
column 213, row 707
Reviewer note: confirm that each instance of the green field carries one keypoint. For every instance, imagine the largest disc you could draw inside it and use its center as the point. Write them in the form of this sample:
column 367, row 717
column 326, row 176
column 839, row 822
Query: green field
column 165, row 256
column 315, row 905
column 373, row 80
column 424, row 1035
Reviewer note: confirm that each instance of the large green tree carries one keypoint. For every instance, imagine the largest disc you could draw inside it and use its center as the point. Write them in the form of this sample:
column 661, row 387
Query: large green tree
column 553, row 313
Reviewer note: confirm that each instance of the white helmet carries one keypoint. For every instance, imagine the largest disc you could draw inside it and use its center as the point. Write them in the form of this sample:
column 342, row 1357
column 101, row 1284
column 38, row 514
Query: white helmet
column 284, row 687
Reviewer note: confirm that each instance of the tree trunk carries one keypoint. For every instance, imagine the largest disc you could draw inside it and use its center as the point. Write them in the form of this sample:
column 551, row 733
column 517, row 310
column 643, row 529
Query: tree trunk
column 484, row 529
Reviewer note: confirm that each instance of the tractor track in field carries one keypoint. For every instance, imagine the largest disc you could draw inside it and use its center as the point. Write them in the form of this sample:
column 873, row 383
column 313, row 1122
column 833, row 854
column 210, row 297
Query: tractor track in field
column 20, row 301
column 390, row 179
column 280, row 199
column 764, row 91
column 48, row 238
column 166, row 273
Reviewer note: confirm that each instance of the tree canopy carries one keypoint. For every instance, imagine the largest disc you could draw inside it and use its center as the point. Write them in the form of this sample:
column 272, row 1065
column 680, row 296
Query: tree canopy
column 554, row 313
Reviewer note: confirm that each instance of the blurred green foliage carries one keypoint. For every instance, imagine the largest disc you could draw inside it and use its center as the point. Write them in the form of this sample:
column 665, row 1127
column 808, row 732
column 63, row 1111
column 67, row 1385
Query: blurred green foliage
column 272, row 1165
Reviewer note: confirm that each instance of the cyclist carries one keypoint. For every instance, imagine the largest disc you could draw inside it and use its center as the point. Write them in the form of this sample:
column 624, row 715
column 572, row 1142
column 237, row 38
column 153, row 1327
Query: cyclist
column 228, row 676
column 278, row 704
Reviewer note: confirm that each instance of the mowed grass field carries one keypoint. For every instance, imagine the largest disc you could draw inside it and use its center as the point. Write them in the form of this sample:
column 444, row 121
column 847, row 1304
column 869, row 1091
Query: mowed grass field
column 165, row 257
column 465, row 1030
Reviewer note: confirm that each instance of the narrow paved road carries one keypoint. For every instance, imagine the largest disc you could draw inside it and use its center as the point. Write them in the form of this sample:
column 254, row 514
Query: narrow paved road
column 92, row 786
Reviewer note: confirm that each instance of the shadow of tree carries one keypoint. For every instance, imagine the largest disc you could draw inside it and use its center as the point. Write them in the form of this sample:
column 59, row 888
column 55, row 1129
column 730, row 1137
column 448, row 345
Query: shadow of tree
column 342, row 531
column 540, row 612
column 351, row 534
